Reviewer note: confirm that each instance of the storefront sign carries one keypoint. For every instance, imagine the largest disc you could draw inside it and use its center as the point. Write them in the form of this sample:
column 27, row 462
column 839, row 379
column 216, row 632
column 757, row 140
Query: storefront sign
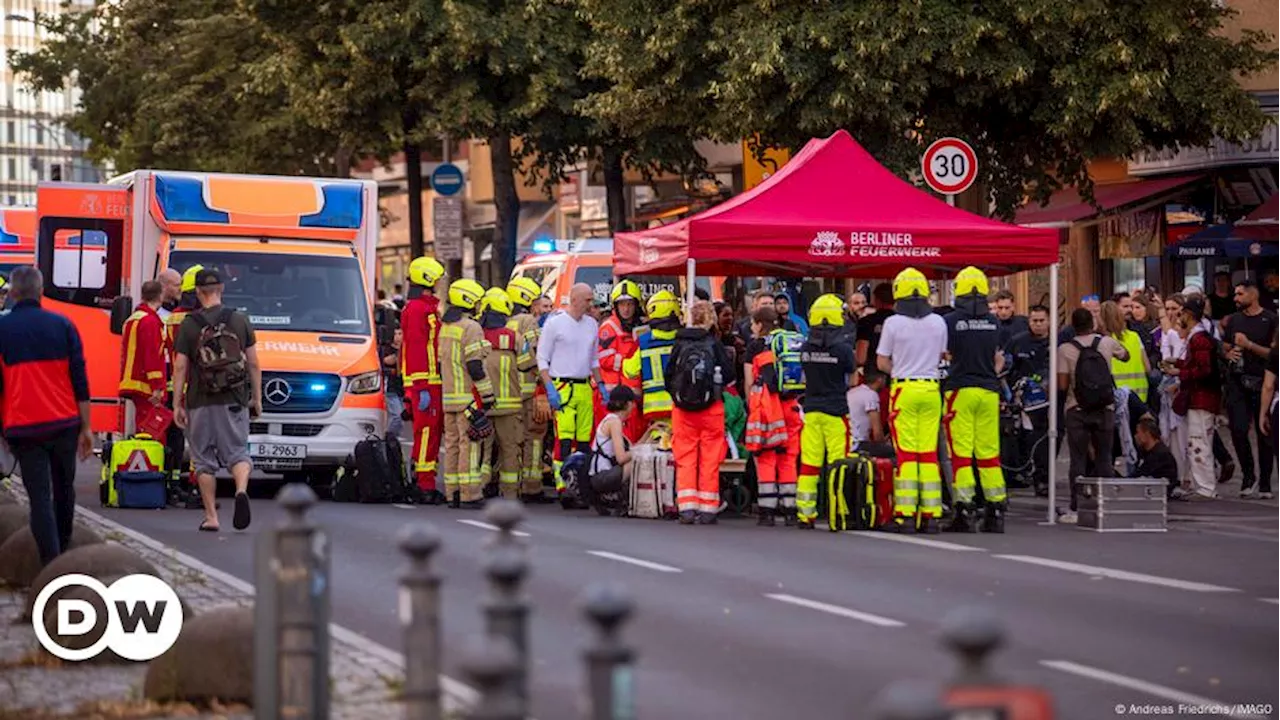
column 1132, row 235
column 1262, row 150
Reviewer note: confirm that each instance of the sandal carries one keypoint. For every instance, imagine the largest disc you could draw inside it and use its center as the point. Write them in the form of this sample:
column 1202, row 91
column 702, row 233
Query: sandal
column 205, row 527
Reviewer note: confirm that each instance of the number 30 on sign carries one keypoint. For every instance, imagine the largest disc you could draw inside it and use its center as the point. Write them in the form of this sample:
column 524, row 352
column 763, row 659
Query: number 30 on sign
column 949, row 166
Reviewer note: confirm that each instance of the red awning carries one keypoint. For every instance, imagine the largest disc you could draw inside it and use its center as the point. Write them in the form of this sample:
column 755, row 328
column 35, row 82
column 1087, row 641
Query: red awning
column 834, row 211
column 1264, row 214
column 1066, row 206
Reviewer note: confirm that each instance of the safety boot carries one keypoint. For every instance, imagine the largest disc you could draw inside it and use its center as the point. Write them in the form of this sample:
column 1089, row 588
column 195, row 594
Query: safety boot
column 533, row 498
column 766, row 518
column 471, row 505
column 706, row 518
column 963, row 519
column 455, row 501
column 789, row 517
column 928, row 525
column 804, row 523
column 993, row 522
column 900, row 525
column 688, row 517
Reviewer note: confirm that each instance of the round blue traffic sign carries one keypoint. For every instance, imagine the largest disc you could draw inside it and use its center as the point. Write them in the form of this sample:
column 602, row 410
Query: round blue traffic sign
column 447, row 179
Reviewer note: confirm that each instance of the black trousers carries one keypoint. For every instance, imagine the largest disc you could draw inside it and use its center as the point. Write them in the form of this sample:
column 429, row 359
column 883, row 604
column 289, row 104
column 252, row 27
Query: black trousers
column 1036, row 446
column 49, row 476
column 1243, row 406
column 1088, row 431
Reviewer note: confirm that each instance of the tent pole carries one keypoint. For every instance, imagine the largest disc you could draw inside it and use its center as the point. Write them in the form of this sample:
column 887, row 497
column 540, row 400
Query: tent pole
column 1053, row 392
column 690, row 277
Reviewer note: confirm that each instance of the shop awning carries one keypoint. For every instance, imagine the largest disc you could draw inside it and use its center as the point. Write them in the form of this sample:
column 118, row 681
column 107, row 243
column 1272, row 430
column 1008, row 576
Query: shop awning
column 1067, row 206
column 1257, row 235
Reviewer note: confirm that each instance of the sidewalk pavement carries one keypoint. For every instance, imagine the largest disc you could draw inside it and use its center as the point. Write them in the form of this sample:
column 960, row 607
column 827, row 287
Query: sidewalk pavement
column 365, row 676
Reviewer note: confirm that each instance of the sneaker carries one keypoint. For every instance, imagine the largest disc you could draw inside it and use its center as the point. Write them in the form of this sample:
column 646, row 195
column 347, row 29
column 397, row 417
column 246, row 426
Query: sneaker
column 1264, row 495
column 1248, row 492
column 1226, row 471
column 1068, row 518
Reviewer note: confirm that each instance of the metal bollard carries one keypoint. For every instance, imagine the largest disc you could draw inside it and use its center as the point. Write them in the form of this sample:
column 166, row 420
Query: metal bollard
column 610, row 671
column 506, row 609
column 972, row 633
column 489, row 663
column 910, row 700
column 420, row 616
column 291, row 611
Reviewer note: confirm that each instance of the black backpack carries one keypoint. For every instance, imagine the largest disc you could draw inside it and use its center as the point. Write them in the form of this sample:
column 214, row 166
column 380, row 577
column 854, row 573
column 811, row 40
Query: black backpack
column 1093, row 385
column 692, row 376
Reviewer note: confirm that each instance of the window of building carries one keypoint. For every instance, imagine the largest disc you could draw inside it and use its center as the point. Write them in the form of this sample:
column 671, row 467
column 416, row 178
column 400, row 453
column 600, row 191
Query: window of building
column 39, row 134
column 13, row 200
column 12, row 133
column 13, row 169
column 1128, row 274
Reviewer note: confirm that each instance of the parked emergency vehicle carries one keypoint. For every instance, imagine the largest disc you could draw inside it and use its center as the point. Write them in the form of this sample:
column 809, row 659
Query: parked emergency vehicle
column 558, row 265
column 296, row 257
column 17, row 238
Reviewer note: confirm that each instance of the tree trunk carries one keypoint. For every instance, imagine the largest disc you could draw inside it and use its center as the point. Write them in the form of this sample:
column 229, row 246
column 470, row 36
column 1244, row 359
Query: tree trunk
column 615, row 190
column 342, row 162
column 413, row 171
column 506, row 204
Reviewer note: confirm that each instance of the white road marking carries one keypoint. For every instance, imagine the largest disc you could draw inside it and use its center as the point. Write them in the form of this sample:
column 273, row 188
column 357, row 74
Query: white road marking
column 489, row 526
column 1118, row 574
column 634, row 561
column 1142, row 686
column 836, row 610
column 402, row 506
column 912, row 540
column 1273, row 601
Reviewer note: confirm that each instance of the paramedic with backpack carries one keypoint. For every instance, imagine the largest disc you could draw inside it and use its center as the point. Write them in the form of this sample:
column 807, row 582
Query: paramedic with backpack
column 971, row 412
column 468, row 396
column 773, row 414
column 1084, row 376
column 697, row 373
column 420, row 371
column 911, row 347
column 523, row 293
column 828, row 363
column 217, row 386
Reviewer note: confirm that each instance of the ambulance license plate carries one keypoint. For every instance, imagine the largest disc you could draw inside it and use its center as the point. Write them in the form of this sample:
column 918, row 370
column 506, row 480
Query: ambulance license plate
column 274, row 451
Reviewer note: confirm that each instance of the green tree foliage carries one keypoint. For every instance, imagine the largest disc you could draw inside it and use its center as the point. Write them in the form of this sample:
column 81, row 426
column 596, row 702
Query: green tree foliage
column 1037, row 86
column 165, row 84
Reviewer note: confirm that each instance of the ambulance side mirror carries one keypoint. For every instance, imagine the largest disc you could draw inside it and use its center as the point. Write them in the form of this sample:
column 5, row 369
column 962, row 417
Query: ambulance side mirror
column 121, row 309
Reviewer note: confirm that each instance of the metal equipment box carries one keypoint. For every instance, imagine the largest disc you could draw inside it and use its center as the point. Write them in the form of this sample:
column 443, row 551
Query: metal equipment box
column 1122, row 504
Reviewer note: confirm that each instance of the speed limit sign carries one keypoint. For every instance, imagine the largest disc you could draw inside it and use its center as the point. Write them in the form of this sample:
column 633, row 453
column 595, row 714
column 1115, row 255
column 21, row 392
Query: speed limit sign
column 949, row 165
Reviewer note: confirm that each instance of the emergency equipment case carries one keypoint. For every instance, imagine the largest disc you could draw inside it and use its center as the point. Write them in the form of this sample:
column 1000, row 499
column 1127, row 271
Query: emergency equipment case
column 133, row 474
column 653, row 487
column 859, row 493
column 1122, row 504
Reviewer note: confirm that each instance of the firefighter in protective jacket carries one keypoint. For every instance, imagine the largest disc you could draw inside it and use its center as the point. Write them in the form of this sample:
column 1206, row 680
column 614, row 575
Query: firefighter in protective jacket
column 828, row 362
column 523, row 292
column 175, row 443
column 649, row 364
column 142, row 360
column 468, row 394
column 618, row 344
column 504, row 371
column 420, row 369
column 911, row 347
column 971, row 412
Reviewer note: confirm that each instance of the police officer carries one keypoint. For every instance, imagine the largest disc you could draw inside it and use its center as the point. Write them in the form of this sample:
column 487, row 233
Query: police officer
column 828, row 362
column 504, row 370
column 910, row 351
column 971, row 412
column 1029, row 352
column 420, row 370
column 523, row 293
column 462, row 374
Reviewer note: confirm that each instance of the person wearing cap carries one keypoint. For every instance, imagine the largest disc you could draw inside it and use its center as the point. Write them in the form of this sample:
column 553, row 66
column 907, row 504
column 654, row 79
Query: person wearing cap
column 910, row 351
column 420, row 371
column 215, row 406
column 791, row 320
column 971, row 414
column 524, row 293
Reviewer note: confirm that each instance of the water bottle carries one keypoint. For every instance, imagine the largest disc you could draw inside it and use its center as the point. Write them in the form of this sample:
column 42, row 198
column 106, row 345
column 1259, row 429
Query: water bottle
column 716, row 378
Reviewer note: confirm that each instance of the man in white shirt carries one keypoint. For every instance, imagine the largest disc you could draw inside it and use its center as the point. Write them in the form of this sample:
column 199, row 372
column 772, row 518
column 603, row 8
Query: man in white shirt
column 864, row 411
column 911, row 347
column 569, row 367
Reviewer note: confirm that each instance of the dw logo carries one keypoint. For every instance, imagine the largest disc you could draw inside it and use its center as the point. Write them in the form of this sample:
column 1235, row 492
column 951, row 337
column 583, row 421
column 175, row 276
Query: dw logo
column 139, row 617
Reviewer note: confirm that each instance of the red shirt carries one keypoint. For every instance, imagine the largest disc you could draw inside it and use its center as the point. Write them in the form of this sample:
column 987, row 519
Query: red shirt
column 1195, row 371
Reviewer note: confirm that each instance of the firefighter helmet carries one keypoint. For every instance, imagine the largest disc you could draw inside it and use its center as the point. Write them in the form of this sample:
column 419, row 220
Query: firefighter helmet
column 523, row 291
column 624, row 290
column 662, row 304
column 4, row 284
column 425, row 271
column 971, row 280
column 189, row 278
column 496, row 299
column 465, row 294
column 910, row 282
column 827, row 310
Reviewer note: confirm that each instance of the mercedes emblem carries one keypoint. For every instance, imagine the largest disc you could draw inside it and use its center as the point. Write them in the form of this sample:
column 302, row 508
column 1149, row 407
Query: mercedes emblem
column 276, row 391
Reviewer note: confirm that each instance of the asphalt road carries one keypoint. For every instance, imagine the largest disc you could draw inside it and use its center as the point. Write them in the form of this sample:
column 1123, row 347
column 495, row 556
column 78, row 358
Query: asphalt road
column 736, row 621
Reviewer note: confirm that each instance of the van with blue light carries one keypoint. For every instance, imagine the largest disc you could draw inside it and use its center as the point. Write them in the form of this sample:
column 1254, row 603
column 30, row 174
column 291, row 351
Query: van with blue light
column 17, row 238
column 296, row 256
column 558, row 265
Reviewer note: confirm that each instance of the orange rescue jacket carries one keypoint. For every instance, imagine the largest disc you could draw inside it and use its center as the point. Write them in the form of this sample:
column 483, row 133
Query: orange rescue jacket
column 420, row 352
column 142, row 354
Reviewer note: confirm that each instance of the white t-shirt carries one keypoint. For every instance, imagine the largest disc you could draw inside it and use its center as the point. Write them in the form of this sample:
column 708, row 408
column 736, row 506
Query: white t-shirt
column 915, row 345
column 863, row 401
column 567, row 347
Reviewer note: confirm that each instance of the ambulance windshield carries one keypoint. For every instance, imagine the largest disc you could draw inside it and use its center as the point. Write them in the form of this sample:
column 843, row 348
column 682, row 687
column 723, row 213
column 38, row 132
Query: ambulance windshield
column 301, row 293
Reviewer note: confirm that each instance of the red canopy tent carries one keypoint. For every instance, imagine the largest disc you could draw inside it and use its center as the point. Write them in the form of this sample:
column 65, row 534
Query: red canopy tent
column 834, row 210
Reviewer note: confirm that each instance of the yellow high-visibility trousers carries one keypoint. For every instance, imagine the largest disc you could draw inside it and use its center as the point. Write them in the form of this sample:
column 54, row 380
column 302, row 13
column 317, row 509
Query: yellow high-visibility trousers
column 972, row 421
column 915, row 412
column 823, row 439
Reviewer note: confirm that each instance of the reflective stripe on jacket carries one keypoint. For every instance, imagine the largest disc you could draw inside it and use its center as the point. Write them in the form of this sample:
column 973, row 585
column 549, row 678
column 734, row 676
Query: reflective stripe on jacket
column 650, row 365
column 142, row 353
column 419, row 352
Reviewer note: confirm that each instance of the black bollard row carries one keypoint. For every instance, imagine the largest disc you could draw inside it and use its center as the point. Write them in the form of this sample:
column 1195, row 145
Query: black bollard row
column 420, row 616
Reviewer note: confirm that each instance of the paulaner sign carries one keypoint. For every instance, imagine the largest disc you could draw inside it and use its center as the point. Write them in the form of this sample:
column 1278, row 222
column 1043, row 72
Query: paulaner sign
column 1264, row 149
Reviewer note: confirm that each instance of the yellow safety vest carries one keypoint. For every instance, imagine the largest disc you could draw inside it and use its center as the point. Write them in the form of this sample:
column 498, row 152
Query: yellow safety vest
column 1129, row 374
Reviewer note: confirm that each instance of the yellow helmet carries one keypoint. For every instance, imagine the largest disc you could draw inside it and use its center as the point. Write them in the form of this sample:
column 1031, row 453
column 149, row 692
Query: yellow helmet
column 425, row 271
column 827, row 310
column 465, row 294
column 624, row 290
column 910, row 282
column 523, row 291
column 971, row 280
column 662, row 304
column 496, row 299
column 4, row 284
column 189, row 278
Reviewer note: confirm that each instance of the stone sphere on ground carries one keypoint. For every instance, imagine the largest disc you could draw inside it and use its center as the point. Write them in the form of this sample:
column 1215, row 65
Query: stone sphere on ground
column 20, row 559
column 99, row 561
column 12, row 519
column 220, row 639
